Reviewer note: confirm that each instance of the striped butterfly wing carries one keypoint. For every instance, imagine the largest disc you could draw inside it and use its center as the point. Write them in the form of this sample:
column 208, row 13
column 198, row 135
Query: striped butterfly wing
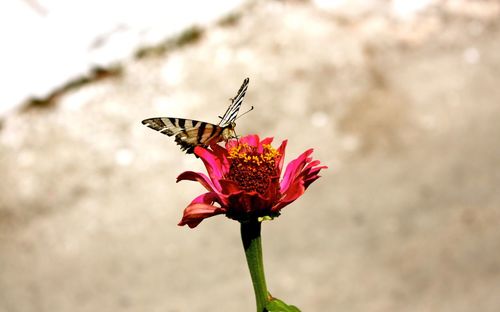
column 233, row 109
column 188, row 133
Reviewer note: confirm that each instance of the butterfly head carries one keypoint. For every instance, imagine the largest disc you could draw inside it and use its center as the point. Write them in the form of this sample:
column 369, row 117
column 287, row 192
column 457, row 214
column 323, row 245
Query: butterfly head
column 228, row 132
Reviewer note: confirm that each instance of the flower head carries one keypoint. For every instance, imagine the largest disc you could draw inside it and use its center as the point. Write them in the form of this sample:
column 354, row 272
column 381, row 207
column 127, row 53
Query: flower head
column 244, row 180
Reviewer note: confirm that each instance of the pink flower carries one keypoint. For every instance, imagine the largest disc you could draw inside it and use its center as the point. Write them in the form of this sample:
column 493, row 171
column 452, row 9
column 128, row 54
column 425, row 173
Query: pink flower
column 244, row 180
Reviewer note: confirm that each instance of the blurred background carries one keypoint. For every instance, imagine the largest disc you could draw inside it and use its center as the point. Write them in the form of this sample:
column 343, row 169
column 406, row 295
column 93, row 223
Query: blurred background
column 399, row 98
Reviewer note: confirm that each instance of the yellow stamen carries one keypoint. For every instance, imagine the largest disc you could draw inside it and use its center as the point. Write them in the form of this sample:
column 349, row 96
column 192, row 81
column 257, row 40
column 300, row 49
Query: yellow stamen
column 252, row 169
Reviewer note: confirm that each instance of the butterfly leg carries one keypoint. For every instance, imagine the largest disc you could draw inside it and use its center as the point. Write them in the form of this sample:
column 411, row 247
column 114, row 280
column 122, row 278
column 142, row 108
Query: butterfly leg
column 235, row 136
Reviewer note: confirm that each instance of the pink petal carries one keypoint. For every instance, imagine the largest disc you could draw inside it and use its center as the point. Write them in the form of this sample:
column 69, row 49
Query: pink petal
column 206, row 198
column 293, row 169
column 197, row 176
column 222, row 155
column 310, row 180
column 268, row 140
column 299, row 174
column 312, row 164
column 247, row 202
column 200, row 208
column 313, row 176
column 310, row 173
column 294, row 191
column 213, row 164
column 260, row 147
column 281, row 157
column 228, row 187
column 195, row 213
column 252, row 140
column 231, row 143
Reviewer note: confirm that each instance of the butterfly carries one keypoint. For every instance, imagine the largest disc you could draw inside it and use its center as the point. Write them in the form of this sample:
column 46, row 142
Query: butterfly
column 190, row 133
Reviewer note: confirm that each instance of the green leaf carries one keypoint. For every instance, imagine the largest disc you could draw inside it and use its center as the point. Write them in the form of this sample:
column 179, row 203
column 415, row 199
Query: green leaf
column 276, row 305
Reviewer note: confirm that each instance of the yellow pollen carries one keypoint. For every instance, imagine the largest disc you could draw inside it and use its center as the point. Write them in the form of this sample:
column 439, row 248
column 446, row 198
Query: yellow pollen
column 251, row 169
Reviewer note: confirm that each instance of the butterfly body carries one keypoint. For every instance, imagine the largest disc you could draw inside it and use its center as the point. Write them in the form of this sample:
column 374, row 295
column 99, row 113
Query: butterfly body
column 190, row 133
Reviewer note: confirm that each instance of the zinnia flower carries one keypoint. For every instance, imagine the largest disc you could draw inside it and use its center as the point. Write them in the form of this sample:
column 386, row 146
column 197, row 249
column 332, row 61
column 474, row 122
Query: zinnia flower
column 244, row 180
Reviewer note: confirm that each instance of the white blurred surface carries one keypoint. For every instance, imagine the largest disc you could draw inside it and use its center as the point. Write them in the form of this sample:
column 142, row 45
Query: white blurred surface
column 47, row 42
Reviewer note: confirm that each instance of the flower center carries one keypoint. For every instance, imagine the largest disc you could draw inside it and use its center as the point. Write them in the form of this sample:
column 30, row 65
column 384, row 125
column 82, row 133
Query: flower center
column 251, row 169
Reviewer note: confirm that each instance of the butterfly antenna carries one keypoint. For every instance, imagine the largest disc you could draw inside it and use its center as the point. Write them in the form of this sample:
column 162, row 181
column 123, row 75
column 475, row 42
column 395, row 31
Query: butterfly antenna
column 248, row 111
column 236, row 136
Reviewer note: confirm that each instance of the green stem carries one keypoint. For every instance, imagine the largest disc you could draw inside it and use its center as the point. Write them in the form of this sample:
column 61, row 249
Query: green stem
column 250, row 235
